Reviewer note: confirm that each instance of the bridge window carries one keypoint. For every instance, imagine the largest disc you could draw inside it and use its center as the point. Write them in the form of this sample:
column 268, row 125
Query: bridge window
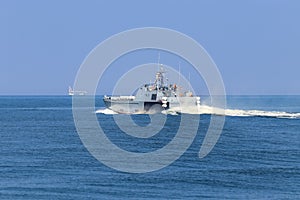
column 153, row 97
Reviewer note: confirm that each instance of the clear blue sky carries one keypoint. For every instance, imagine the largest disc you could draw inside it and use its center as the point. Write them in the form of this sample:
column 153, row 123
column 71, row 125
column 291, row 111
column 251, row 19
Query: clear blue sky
column 255, row 44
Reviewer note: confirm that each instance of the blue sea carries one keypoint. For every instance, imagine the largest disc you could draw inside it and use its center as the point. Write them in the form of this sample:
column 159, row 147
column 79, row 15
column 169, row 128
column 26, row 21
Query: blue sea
column 256, row 157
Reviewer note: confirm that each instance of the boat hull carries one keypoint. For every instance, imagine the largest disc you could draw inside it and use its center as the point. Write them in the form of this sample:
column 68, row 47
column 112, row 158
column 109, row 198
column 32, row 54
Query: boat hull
column 133, row 107
column 138, row 107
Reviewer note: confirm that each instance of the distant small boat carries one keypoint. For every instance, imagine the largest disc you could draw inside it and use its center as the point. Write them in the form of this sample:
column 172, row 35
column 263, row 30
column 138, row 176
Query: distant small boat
column 73, row 92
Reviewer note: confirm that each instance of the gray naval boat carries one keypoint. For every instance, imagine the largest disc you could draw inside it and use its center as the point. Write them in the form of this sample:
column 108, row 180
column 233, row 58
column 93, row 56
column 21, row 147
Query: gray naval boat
column 152, row 98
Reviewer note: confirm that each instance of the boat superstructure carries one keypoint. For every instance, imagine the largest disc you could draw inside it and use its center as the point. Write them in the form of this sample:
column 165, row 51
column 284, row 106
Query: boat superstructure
column 155, row 97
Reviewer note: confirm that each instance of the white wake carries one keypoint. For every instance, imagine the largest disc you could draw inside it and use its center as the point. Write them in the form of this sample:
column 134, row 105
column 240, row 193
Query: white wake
column 203, row 109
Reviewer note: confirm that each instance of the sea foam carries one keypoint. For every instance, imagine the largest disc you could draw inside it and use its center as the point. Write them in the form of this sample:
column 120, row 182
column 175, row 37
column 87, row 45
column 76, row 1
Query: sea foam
column 204, row 109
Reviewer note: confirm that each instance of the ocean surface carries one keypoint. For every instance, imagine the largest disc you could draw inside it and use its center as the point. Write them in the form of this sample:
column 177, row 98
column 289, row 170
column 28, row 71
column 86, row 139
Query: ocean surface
column 256, row 157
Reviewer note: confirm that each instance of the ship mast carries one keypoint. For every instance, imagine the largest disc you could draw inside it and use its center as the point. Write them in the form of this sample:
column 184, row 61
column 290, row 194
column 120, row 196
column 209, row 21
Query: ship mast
column 158, row 60
column 179, row 74
column 159, row 78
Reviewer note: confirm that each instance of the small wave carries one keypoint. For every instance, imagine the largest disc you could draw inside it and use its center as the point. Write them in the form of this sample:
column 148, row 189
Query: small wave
column 36, row 108
column 169, row 112
column 105, row 111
